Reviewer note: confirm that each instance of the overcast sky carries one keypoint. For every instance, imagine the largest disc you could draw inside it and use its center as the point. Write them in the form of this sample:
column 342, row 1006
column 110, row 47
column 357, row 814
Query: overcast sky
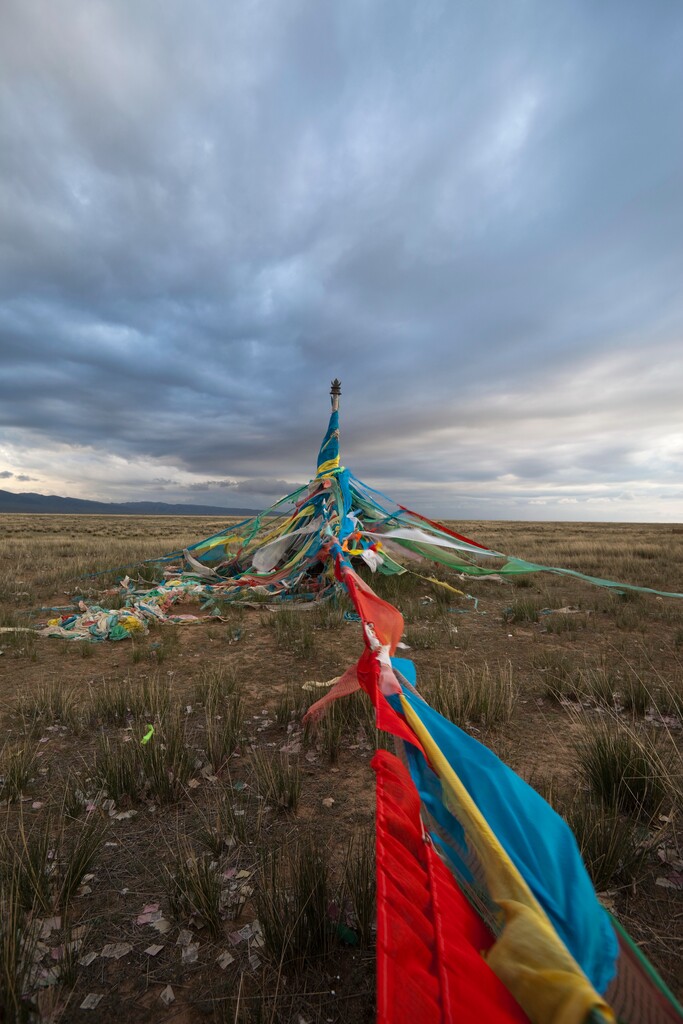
column 471, row 212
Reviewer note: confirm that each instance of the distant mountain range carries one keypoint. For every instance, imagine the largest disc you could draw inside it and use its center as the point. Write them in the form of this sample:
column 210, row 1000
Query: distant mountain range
column 50, row 504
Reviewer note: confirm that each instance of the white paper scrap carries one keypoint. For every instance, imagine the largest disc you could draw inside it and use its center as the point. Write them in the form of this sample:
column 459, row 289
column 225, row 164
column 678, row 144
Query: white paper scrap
column 167, row 996
column 91, row 1001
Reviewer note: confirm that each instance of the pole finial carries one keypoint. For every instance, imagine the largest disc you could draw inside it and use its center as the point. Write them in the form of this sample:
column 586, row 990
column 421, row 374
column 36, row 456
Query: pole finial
column 335, row 392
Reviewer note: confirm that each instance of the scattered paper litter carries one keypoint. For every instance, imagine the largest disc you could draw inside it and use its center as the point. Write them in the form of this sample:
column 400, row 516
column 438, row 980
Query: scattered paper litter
column 162, row 925
column 606, row 898
column 153, row 950
column 328, row 801
column 86, row 960
column 50, row 924
column 669, row 855
column 190, row 953
column 49, row 977
column 185, row 937
column 224, row 959
column 167, row 996
column 240, row 936
column 91, row 1001
column 150, row 914
column 254, row 962
column 115, row 950
column 671, row 882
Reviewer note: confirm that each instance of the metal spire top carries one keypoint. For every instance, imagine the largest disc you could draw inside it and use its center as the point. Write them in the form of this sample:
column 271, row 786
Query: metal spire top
column 335, row 392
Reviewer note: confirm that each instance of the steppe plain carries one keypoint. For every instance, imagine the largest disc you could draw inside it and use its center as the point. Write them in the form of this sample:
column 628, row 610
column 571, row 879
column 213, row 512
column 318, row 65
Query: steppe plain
column 223, row 871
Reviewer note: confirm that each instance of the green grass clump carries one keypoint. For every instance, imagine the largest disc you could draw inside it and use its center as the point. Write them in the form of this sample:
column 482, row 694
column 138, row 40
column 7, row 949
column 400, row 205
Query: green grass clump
column 193, row 887
column 293, row 898
column 613, row 846
column 224, row 728
column 17, row 768
column 558, row 675
column 115, row 702
column 161, row 768
column 156, row 697
column 293, row 631
column 17, row 950
column 167, row 760
column 670, row 696
column 52, row 703
column 78, row 850
column 421, row 638
column 348, row 720
column 21, row 644
column 598, row 684
column 215, row 683
column 635, row 695
column 242, row 818
column 360, row 885
column 485, row 695
column 117, row 768
column 47, row 861
column 329, row 616
column 278, row 780
column 292, row 704
column 567, row 626
column 627, row 771
column 523, row 610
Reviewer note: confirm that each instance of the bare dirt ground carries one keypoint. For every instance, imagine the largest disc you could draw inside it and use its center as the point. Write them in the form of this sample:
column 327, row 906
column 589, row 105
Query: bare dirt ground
column 563, row 657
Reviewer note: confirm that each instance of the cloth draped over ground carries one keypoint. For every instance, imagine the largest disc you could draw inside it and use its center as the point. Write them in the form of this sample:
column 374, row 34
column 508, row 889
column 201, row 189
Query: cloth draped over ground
column 485, row 910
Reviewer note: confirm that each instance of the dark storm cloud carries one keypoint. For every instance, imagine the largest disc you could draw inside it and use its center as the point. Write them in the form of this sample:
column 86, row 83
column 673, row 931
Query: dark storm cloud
column 207, row 485
column 255, row 488
column 266, row 486
column 21, row 477
column 471, row 214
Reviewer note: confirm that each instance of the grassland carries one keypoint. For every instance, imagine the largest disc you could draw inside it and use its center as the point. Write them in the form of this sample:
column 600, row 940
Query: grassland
column 135, row 872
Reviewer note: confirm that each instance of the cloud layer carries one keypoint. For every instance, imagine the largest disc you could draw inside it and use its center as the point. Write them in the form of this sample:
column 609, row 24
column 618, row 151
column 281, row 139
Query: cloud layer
column 472, row 214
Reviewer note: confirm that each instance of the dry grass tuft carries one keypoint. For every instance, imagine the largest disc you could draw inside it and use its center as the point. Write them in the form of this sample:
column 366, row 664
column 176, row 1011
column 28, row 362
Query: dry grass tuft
column 486, row 695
